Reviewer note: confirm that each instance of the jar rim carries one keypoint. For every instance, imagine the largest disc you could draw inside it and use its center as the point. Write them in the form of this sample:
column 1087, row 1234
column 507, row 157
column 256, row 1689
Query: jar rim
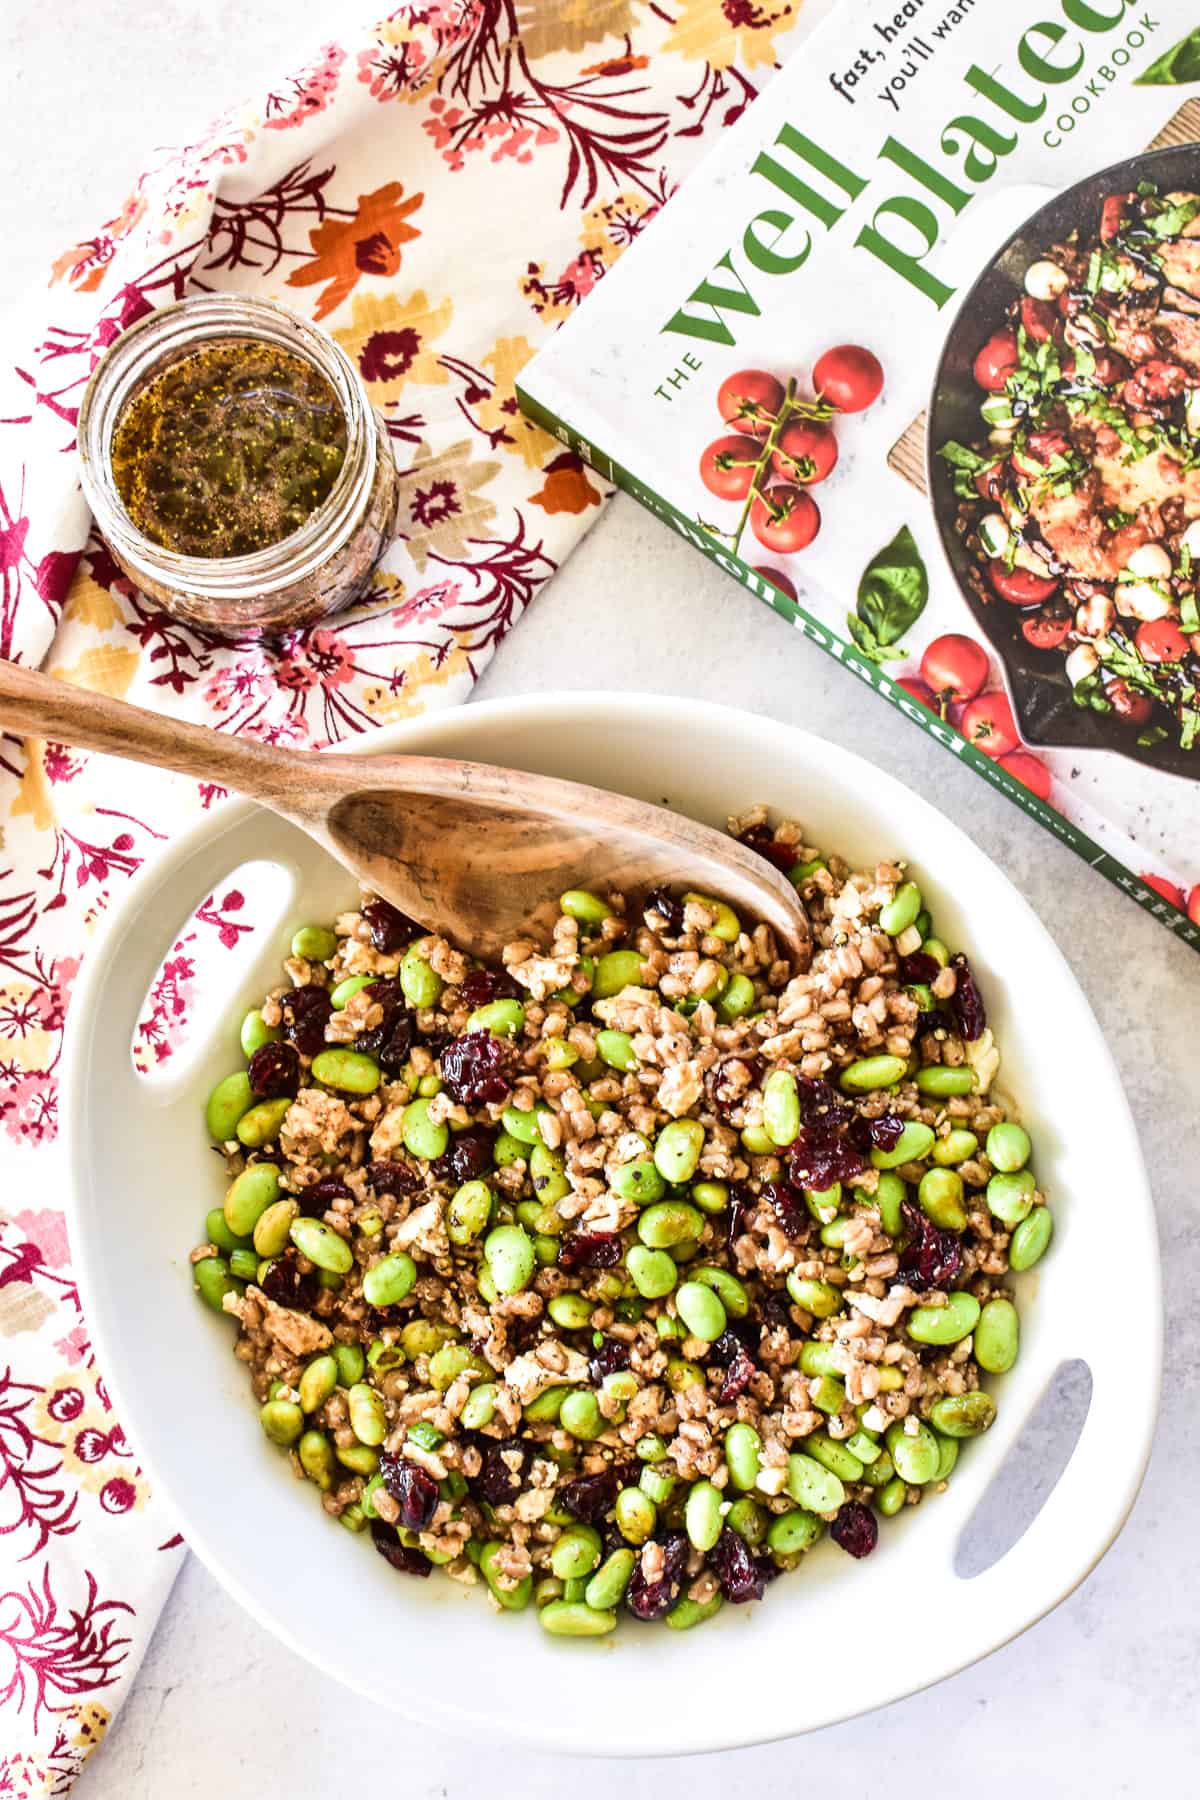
column 181, row 327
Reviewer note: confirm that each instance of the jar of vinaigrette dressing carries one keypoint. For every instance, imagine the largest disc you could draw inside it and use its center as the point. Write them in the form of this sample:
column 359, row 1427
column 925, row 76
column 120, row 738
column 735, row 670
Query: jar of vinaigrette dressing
column 235, row 466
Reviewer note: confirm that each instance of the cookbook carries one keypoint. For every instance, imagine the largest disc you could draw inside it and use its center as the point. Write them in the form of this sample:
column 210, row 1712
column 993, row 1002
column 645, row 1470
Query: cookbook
column 915, row 356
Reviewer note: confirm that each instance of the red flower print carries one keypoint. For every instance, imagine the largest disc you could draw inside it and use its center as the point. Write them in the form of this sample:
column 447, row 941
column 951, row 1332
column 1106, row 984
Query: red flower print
column 389, row 354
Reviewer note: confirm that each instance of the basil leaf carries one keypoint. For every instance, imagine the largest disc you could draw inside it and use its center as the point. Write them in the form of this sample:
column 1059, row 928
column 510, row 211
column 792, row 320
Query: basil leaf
column 1180, row 64
column 893, row 589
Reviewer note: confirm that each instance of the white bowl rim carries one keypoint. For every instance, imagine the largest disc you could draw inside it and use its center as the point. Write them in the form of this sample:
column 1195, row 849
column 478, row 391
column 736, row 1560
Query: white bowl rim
column 1026, row 1596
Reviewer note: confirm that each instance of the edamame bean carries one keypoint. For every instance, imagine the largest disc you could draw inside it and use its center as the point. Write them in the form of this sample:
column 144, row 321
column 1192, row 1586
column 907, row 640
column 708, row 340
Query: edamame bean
column 322, row 1245
column 315, row 1455
column 828, row 1394
column 677, row 1150
column 652, row 1272
column 947, row 1324
column 923, row 923
column 255, row 1033
column 948, row 1455
column 212, row 1280
column 915, row 1453
column 248, row 1197
column 360, row 1459
column 819, row 1298
column 273, row 1226
column 216, row 1231
column 350, row 1363
column 559, row 1054
column 368, row 1418
column 421, row 1337
column 1010, row 1196
column 726, row 924
column 804, row 871
column 506, row 1150
column 890, row 1195
column 571, row 1312
column 229, row 1101
column 587, row 907
column 754, row 1139
column 711, row 1197
column 580, row 1415
column 510, row 1257
column 933, row 946
column 1008, row 1147
column 823, row 1203
column 390, row 1280
column 547, row 1171
column 683, row 1374
column 468, row 1212
column 837, row 1458
column 997, row 1336
column 702, row 1515
column 451, row 1362
column 314, row 943
column 743, row 1453
column 503, row 1018
column 687, row 1612
column 668, row 1223
column 914, row 1143
column 547, row 1405
column 346, row 989
column 347, row 1070
column 651, row 1448
column 943, row 1081
column 523, row 1125
column 962, row 1415
column 791, row 1532
column 576, row 1553
column 262, row 1124
column 616, row 1049
column 737, row 1000
column 638, row 1181
column 749, row 1520
column 317, row 1381
column 940, row 1198
column 864, row 1448
column 872, row 1072
column 616, row 970
column 421, row 985
column 891, row 1498
column 781, row 1108
column 701, row 1310
column 282, row 1421
column 817, row 1489
column 479, row 1407
column 899, row 912
column 1031, row 1239
column 727, row 1287
column 955, row 1147
column 607, row 1586
column 512, row 1599
column 658, row 1484
column 422, row 1137
column 636, row 1515
column 563, row 1618
column 817, row 1358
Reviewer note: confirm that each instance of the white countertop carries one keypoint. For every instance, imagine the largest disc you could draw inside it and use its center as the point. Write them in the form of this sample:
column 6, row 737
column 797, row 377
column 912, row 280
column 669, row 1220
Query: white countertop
column 1098, row 1701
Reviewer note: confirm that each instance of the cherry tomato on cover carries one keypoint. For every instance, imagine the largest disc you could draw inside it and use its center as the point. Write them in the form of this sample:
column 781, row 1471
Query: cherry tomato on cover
column 727, row 466
column 916, row 689
column 1038, row 317
column 749, row 401
column 1020, row 587
column 1044, row 632
column 807, row 452
column 785, row 519
column 987, row 722
column 1193, row 905
column 996, row 361
column 989, row 483
column 849, row 377
column 1029, row 770
column 954, row 667
column 778, row 579
column 1167, row 889
column 1112, row 216
column 1160, row 640
column 1130, row 706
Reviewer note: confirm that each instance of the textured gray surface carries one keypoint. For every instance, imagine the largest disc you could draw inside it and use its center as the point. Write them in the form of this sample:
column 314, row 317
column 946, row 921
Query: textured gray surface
column 1098, row 1700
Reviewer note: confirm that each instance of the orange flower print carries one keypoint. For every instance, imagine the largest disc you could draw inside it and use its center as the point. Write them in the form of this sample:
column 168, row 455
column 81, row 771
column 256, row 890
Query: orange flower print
column 344, row 250
column 567, row 488
column 617, row 65
column 722, row 32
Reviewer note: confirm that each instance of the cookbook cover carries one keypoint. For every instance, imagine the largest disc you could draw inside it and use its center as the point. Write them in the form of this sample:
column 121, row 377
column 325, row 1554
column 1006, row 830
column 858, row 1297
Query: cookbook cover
column 915, row 355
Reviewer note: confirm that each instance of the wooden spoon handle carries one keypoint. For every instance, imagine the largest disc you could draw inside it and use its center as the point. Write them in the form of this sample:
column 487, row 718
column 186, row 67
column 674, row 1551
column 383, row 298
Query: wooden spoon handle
column 37, row 705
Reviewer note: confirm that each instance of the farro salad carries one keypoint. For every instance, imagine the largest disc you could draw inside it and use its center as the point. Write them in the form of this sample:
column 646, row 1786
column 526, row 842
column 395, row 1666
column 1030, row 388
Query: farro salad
column 614, row 1277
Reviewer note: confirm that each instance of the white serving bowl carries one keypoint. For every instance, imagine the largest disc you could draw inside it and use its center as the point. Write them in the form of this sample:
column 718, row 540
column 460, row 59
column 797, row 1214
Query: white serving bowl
column 834, row 1639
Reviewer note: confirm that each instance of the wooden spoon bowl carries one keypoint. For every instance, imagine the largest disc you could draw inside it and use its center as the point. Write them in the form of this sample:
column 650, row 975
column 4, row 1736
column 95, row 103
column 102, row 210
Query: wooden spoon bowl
column 476, row 852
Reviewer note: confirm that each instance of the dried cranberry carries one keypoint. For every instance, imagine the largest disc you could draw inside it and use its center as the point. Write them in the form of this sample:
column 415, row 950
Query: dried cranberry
column 497, row 1482
column 389, row 1043
column 651, row 1599
column 667, row 910
column 318, row 1198
column 469, row 1155
column 387, row 1542
column 882, row 1133
column 475, row 1069
column 821, row 1156
column 390, row 929
column 481, row 986
column 305, row 1011
column 742, row 1576
column 589, row 1497
column 284, row 1284
column 739, row 1205
column 788, row 1208
column 919, row 969
column 729, row 1081
column 856, row 1529
column 932, row 1256
column 820, row 1107
column 274, row 1071
column 930, row 1021
column 775, row 1308
column 394, row 1178
column 413, row 1487
column 739, row 1372
column 610, row 1356
column 590, row 1250
column 968, row 1005
column 763, row 839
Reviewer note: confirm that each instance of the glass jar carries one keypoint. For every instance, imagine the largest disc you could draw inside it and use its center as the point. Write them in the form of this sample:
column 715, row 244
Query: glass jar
column 327, row 562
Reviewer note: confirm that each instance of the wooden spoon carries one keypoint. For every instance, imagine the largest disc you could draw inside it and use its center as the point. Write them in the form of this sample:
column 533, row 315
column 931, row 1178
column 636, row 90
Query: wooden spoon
column 478, row 853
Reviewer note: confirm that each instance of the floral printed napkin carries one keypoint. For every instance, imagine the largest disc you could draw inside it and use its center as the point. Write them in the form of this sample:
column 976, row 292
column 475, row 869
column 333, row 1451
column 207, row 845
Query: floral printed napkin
column 439, row 192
